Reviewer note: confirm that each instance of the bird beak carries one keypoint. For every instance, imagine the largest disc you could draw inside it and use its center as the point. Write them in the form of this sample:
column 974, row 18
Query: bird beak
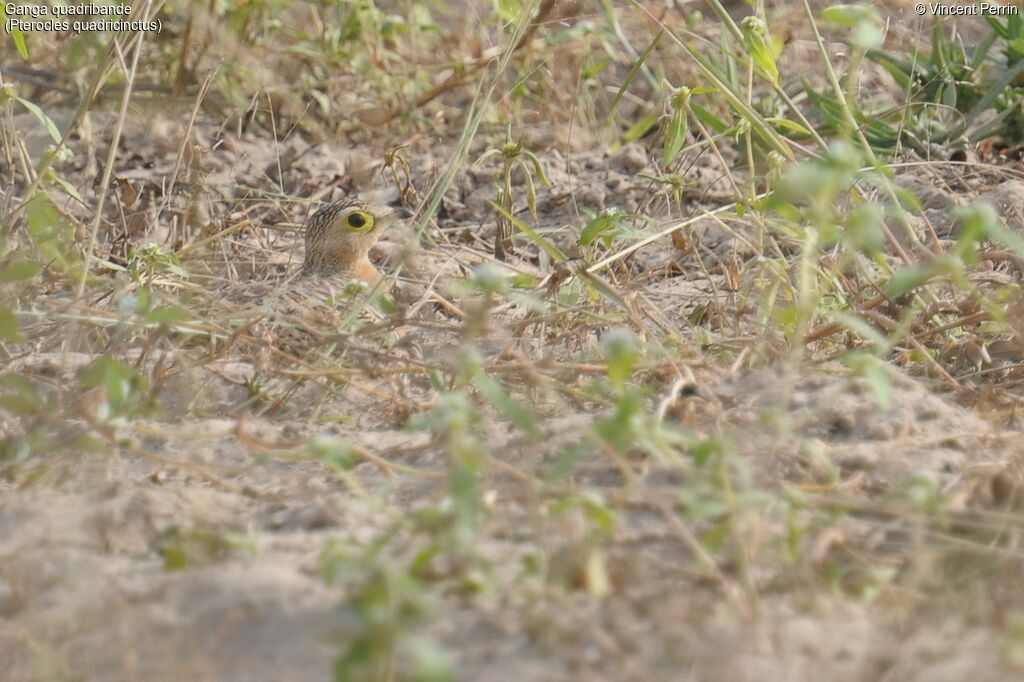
column 401, row 212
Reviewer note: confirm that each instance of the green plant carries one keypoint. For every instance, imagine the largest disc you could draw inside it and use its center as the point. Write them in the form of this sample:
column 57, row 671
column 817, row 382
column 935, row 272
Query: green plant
column 389, row 603
column 950, row 86
column 514, row 157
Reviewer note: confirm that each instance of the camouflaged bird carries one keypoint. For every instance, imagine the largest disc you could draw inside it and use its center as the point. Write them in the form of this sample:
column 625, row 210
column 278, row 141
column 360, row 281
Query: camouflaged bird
column 327, row 296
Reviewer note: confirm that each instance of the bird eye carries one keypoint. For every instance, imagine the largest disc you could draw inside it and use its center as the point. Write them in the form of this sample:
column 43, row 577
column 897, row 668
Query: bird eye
column 359, row 220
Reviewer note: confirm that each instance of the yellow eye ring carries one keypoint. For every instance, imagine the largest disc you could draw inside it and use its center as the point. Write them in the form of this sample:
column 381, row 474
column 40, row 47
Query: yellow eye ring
column 360, row 221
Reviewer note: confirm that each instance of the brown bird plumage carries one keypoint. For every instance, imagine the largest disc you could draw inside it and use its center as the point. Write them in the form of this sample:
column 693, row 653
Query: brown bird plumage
column 335, row 246
column 327, row 296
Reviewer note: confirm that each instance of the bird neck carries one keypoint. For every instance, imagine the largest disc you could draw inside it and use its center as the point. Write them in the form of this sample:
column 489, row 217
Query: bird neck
column 324, row 262
column 365, row 270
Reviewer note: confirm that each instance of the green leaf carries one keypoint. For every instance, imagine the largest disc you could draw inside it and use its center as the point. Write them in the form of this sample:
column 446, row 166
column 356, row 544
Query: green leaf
column 322, row 100
column 864, row 22
column 19, row 42
column 862, row 328
column 762, row 56
column 675, row 137
column 19, row 271
column 981, row 220
column 490, row 278
column 548, row 248
column 909, row 277
column 509, row 10
column 569, row 295
column 531, row 195
column 901, row 71
column 493, row 393
column 635, row 69
column 591, row 70
column 19, row 395
column 522, row 281
column 992, row 91
column 864, row 228
column 334, row 452
column 621, row 351
column 716, row 124
column 68, row 187
column 167, row 314
column 16, row 35
column 619, row 429
column 47, row 122
column 641, row 127
column 874, row 372
column 596, row 284
column 786, row 316
column 48, row 230
column 119, row 381
column 538, row 168
column 601, row 225
column 791, row 125
column 702, row 451
column 489, row 154
column 845, row 15
column 978, row 221
column 9, row 326
column 756, row 122
column 566, row 460
column 754, row 40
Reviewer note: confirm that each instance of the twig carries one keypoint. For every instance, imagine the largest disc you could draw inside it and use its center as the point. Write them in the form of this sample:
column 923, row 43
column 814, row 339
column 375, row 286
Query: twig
column 115, row 140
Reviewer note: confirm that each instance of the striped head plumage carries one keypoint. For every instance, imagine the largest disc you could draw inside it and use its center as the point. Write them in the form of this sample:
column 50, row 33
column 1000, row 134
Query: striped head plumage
column 339, row 238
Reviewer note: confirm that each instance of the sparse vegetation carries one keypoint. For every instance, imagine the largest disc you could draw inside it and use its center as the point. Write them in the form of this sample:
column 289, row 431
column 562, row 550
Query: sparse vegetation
column 700, row 352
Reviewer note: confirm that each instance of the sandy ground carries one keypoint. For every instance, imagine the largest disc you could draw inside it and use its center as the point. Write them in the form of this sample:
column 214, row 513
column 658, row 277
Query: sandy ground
column 783, row 523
